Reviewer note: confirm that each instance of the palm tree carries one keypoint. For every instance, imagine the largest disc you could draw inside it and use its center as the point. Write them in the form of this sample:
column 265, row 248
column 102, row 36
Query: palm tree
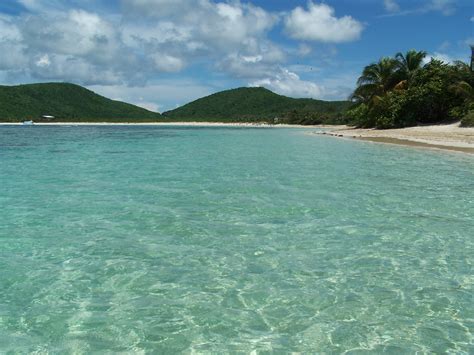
column 407, row 65
column 463, row 86
column 376, row 80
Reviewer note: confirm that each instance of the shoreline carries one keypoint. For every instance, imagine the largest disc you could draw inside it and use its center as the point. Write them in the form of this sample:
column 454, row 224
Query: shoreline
column 179, row 124
column 450, row 137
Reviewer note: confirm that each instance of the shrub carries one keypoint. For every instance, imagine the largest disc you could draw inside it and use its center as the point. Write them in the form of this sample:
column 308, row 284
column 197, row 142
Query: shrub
column 468, row 120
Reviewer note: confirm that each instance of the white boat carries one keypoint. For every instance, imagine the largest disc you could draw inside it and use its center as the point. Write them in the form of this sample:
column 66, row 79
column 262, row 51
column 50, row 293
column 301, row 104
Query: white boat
column 27, row 123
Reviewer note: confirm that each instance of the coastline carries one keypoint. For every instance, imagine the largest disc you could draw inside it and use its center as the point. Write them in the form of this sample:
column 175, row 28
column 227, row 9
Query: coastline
column 177, row 124
column 450, row 137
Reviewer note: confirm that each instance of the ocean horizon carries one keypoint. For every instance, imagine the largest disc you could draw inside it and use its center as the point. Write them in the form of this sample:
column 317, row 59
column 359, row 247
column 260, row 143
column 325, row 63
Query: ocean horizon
column 162, row 239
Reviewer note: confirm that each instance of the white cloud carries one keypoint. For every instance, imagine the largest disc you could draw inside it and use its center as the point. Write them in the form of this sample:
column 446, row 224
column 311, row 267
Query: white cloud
column 339, row 86
column 156, row 8
column 77, row 33
column 40, row 5
column 150, row 37
column 163, row 95
column 126, row 54
column 215, row 26
column 288, row 83
column 446, row 7
column 252, row 59
column 43, row 61
column 11, row 48
column 8, row 30
column 439, row 56
column 319, row 23
column 62, row 67
column 259, row 62
column 391, row 6
column 150, row 106
column 12, row 57
column 168, row 63
column 141, row 34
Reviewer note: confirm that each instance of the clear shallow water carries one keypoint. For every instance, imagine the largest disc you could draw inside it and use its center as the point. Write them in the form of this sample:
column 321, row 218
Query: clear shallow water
column 224, row 240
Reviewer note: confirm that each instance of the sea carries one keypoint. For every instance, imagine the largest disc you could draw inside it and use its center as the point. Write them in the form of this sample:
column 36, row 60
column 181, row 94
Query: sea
column 161, row 239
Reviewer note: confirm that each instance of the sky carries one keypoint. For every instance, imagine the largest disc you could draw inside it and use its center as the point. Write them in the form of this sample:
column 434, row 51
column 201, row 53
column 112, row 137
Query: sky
column 160, row 54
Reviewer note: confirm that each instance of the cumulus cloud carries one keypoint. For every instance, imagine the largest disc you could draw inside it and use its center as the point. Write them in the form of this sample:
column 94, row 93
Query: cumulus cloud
column 288, row 83
column 391, row 5
column 8, row 30
column 319, row 23
column 255, row 63
column 168, row 63
column 158, row 96
column 11, row 46
column 77, row 32
column 146, row 40
column 60, row 67
column 43, row 61
column 207, row 25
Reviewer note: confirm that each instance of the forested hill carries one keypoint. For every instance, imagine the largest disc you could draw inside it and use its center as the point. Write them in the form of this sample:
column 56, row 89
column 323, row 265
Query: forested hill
column 257, row 105
column 66, row 102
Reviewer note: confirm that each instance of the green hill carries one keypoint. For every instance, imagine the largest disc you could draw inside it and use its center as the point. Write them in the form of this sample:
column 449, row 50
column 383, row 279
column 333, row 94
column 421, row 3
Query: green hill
column 66, row 102
column 259, row 105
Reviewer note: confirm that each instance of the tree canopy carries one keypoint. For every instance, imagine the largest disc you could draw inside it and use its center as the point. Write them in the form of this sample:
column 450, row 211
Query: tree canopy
column 404, row 91
column 67, row 103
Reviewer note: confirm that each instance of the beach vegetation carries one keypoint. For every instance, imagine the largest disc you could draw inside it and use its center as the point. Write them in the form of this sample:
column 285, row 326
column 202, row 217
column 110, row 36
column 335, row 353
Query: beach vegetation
column 406, row 91
column 468, row 119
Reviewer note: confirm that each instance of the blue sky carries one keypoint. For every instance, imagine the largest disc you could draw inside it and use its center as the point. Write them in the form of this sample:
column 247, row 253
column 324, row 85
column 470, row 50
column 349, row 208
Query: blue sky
column 163, row 53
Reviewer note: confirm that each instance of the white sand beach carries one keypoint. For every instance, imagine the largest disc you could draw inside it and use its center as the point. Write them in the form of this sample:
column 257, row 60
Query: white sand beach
column 450, row 137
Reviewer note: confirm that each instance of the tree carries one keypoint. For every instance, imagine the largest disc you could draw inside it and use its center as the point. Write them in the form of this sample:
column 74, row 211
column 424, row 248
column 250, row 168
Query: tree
column 376, row 80
column 408, row 64
column 401, row 91
column 464, row 85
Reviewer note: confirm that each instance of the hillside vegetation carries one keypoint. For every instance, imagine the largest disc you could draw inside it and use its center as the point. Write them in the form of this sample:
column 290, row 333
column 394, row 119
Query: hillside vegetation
column 66, row 102
column 259, row 105
column 403, row 91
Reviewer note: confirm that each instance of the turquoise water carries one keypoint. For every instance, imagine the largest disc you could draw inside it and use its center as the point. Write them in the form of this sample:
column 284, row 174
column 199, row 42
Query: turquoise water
column 151, row 239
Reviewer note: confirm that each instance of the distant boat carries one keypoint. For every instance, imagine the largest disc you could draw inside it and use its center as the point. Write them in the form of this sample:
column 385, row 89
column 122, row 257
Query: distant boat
column 27, row 123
